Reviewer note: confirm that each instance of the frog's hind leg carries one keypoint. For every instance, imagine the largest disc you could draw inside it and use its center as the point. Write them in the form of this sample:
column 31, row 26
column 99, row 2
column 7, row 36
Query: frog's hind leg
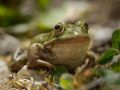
column 34, row 57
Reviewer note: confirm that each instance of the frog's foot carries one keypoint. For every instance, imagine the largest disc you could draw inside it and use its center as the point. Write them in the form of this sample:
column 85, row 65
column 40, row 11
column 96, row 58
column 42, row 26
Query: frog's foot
column 40, row 64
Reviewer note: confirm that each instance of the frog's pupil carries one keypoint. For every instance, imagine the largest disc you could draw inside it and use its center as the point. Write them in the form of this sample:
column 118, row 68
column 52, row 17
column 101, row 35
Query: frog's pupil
column 57, row 27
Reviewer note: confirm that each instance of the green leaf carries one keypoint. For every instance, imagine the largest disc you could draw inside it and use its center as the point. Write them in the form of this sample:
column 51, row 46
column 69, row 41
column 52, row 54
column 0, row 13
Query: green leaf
column 56, row 73
column 116, row 39
column 107, row 56
column 66, row 81
column 116, row 67
column 98, row 71
column 59, row 70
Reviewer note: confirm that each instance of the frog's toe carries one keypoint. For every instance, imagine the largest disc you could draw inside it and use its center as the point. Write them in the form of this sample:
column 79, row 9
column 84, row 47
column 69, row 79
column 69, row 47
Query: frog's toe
column 46, row 64
column 40, row 64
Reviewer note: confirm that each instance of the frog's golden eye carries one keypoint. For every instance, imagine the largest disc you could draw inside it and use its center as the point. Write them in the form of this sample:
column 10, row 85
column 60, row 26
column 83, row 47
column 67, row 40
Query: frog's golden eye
column 59, row 28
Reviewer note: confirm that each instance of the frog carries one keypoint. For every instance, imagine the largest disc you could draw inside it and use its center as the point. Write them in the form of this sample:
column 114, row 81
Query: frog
column 66, row 45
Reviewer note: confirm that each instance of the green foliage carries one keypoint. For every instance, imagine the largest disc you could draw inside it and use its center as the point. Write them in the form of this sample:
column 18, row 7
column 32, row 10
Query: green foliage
column 116, row 39
column 10, row 16
column 6, row 12
column 108, row 55
column 66, row 81
column 58, row 72
column 98, row 72
column 6, row 15
column 116, row 67
column 43, row 4
column 111, row 80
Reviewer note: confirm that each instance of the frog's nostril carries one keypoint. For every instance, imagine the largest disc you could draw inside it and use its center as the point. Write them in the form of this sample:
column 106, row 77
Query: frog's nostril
column 86, row 26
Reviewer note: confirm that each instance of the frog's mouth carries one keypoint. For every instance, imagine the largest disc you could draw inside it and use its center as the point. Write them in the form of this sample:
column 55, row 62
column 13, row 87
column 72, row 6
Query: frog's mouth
column 79, row 39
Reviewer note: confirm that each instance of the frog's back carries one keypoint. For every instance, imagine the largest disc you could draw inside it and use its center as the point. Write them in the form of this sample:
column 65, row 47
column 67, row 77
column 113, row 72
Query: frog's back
column 41, row 38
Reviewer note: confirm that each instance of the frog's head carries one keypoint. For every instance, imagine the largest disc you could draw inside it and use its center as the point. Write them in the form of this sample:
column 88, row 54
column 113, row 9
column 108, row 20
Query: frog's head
column 66, row 31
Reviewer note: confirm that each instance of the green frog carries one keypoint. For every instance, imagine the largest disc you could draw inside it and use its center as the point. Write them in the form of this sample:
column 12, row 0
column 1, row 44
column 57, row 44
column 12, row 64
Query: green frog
column 66, row 45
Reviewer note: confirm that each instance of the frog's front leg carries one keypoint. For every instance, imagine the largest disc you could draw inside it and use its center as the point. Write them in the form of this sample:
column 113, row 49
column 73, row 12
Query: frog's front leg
column 89, row 62
column 35, row 57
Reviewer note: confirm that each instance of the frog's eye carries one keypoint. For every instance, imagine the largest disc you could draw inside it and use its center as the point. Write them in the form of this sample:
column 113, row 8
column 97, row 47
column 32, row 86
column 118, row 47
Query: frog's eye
column 59, row 28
